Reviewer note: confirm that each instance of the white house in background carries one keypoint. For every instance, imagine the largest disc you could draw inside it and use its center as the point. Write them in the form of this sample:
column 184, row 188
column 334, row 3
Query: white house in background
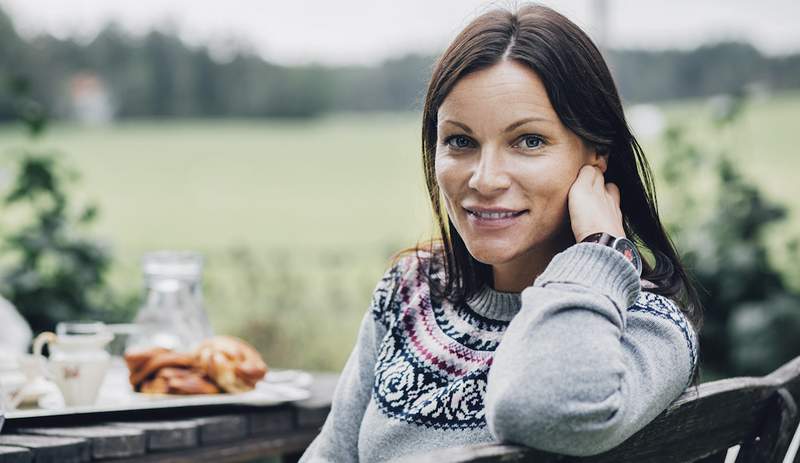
column 90, row 100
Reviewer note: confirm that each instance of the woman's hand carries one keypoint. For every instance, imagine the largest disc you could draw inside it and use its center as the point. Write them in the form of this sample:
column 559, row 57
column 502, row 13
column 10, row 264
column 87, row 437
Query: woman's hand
column 594, row 205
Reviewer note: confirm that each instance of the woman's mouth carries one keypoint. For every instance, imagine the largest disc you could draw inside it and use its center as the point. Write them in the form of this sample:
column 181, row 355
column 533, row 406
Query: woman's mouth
column 493, row 220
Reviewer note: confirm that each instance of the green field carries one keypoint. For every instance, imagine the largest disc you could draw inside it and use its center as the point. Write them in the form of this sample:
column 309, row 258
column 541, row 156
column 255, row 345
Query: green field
column 297, row 219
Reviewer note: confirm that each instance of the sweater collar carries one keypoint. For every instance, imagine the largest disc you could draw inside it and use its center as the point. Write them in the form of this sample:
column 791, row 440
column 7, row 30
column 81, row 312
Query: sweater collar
column 496, row 305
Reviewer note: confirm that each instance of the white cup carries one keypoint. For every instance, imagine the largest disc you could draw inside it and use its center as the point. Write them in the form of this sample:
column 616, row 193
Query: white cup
column 78, row 360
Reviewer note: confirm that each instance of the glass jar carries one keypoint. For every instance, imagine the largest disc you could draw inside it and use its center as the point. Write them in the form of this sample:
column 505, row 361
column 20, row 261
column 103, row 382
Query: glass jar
column 173, row 315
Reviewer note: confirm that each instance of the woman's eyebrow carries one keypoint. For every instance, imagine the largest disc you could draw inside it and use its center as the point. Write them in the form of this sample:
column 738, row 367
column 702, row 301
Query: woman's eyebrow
column 511, row 127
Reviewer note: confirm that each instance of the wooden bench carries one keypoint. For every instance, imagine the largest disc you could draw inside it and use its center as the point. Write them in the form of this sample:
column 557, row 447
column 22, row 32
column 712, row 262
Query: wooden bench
column 758, row 413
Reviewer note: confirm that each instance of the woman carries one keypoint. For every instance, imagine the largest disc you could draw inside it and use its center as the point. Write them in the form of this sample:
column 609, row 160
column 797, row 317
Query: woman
column 531, row 321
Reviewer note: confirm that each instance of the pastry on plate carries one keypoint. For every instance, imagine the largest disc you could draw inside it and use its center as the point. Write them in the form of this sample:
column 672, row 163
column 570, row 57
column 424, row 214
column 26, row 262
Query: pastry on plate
column 218, row 364
column 145, row 364
column 174, row 380
column 234, row 365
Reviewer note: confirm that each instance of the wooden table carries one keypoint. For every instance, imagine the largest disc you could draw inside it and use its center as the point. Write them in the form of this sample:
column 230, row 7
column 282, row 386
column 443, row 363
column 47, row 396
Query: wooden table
column 219, row 434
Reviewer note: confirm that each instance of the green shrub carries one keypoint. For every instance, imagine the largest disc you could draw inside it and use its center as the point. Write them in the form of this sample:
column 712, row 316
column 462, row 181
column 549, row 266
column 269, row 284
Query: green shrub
column 52, row 269
column 752, row 317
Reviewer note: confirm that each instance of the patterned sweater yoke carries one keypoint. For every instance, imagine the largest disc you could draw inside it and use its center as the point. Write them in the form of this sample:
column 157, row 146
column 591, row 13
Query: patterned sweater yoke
column 575, row 364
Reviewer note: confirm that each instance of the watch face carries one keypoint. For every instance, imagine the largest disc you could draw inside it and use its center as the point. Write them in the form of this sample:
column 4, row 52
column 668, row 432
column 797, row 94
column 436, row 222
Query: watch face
column 628, row 249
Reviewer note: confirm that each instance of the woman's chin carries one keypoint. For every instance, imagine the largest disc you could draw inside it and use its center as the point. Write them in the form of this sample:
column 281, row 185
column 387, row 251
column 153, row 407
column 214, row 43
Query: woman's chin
column 492, row 255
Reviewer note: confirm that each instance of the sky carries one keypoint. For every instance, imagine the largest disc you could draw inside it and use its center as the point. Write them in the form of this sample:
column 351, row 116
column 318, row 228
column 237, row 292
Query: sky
column 368, row 31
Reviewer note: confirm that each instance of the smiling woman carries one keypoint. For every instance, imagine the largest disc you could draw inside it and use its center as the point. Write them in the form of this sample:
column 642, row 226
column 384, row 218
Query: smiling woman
column 505, row 188
column 532, row 319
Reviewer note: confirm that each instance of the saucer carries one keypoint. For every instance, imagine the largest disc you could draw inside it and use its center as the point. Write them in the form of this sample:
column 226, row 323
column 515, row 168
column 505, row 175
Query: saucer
column 35, row 390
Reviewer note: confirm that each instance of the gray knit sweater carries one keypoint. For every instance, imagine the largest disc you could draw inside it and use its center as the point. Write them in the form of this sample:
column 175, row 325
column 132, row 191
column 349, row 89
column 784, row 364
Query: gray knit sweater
column 575, row 364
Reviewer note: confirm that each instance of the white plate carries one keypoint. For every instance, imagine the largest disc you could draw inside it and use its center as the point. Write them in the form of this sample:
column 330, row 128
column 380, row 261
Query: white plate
column 116, row 395
column 296, row 378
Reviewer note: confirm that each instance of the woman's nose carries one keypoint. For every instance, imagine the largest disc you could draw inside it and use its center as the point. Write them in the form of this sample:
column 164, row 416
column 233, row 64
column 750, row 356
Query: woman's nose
column 489, row 173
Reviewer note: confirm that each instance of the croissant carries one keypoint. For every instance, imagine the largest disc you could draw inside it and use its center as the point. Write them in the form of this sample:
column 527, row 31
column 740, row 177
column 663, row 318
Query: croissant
column 221, row 363
column 135, row 359
column 171, row 380
column 143, row 364
column 234, row 365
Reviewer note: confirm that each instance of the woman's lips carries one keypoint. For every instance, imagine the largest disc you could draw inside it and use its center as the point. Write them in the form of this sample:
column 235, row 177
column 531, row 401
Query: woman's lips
column 493, row 221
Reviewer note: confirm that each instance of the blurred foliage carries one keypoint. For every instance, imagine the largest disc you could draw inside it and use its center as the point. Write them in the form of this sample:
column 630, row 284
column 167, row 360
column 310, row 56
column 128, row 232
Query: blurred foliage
column 722, row 68
column 159, row 75
column 51, row 269
column 752, row 317
column 298, row 310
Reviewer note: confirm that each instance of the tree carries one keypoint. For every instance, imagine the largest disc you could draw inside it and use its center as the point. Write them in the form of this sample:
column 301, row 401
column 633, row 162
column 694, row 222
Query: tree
column 52, row 270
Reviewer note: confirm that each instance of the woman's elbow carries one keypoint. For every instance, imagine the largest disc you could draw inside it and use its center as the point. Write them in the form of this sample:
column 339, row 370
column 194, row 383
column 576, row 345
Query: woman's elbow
column 566, row 427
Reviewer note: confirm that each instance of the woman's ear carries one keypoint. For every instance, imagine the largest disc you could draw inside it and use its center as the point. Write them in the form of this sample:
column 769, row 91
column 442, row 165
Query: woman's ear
column 600, row 158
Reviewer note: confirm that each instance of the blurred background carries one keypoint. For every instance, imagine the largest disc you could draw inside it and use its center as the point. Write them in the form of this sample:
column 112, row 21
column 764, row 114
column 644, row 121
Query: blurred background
column 282, row 141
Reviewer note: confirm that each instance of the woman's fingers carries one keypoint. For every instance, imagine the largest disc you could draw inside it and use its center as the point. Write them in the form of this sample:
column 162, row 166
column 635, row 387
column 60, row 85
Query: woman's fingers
column 591, row 176
column 613, row 191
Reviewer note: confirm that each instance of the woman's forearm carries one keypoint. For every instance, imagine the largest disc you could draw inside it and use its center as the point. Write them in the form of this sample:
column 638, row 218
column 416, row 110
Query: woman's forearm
column 577, row 373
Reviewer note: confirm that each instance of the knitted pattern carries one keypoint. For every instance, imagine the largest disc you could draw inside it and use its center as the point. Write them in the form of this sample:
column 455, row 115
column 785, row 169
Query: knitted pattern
column 661, row 306
column 432, row 365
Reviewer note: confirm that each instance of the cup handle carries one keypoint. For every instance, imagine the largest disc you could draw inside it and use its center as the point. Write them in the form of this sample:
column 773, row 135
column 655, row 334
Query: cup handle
column 46, row 337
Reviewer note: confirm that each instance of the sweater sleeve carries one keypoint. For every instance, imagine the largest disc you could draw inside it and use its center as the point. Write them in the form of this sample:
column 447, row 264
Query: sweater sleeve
column 590, row 359
column 338, row 438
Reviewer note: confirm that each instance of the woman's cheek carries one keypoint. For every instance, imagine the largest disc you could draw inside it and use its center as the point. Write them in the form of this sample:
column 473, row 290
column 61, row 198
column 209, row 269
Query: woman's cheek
column 548, row 187
column 447, row 175
column 443, row 181
column 561, row 201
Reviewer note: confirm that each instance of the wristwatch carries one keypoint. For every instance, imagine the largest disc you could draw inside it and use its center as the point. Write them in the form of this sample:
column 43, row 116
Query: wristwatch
column 623, row 245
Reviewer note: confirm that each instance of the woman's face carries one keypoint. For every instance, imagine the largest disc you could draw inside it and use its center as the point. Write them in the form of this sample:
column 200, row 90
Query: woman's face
column 501, row 148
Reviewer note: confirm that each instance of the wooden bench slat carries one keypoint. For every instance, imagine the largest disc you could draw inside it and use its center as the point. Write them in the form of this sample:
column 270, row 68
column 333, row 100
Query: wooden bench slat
column 222, row 429
column 718, row 457
column 772, row 440
column 166, row 435
column 248, row 449
column 276, row 421
column 51, row 449
column 10, row 454
column 104, row 441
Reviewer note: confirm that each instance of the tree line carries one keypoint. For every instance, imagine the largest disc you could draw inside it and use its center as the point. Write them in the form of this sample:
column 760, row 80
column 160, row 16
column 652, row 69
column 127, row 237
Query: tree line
column 158, row 75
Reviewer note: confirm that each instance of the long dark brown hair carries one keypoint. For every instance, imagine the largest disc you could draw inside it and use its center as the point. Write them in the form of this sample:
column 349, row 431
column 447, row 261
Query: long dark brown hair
column 583, row 94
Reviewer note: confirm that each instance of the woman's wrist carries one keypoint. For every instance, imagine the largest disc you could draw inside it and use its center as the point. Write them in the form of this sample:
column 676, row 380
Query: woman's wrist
column 597, row 267
column 619, row 243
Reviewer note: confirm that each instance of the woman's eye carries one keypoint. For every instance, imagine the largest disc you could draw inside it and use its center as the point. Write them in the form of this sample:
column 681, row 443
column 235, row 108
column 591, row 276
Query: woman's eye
column 458, row 142
column 532, row 141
